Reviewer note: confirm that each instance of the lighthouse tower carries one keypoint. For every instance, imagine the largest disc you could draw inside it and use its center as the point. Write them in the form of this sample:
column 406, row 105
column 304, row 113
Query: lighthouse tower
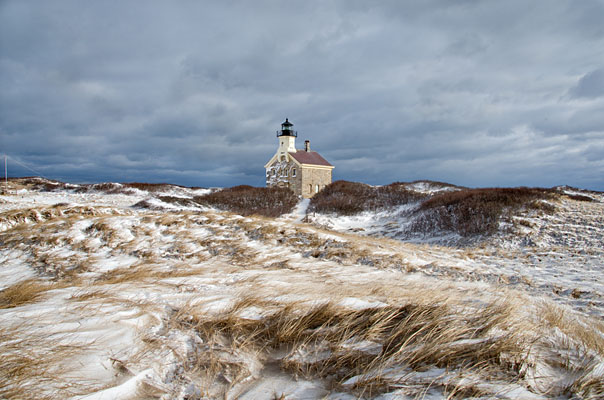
column 287, row 139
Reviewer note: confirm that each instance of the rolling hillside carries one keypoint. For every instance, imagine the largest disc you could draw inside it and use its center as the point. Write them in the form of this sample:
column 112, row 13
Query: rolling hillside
column 140, row 291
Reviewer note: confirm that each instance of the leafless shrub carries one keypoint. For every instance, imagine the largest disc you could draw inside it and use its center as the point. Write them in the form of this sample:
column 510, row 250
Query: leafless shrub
column 149, row 187
column 248, row 200
column 348, row 198
column 106, row 187
column 435, row 184
column 579, row 197
column 125, row 188
column 42, row 184
column 145, row 204
column 179, row 201
column 477, row 211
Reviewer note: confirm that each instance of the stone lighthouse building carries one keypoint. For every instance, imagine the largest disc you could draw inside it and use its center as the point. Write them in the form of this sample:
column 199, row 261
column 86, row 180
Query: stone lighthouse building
column 303, row 171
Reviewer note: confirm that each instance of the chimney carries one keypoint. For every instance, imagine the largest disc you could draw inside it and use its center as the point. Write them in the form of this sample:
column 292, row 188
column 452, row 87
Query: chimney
column 307, row 145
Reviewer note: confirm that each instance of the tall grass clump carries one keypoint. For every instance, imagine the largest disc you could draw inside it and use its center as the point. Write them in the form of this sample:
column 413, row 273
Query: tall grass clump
column 248, row 200
column 349, row 198
column 23, row 292
column 477, row 211
column 372, row 351
column 34, row 367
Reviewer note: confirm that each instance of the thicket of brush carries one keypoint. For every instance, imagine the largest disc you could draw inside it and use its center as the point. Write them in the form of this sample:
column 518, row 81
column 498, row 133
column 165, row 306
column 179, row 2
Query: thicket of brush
column 467, row 212
column 477, row 211
column 47, row 185
column 349, row 198
column 124, row 188
column 248, row 200
column 41, row 184
column 177, row 201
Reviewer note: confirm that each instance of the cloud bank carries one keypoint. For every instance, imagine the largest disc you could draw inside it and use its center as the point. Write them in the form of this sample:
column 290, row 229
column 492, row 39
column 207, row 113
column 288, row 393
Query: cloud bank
column 473, row 93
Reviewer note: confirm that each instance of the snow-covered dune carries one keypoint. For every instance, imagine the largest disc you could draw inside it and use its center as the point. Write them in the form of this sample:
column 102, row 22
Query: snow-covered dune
column 100, row 299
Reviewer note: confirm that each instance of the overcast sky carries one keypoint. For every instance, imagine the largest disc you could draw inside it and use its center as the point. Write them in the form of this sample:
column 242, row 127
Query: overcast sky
column 476, row 93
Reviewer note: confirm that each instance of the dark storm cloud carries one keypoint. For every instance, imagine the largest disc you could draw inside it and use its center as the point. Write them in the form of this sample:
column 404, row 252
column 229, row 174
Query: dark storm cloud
column 476, row 93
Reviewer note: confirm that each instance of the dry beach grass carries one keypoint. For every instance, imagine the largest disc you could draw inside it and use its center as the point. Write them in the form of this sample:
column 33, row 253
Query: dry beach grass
column 210, row 304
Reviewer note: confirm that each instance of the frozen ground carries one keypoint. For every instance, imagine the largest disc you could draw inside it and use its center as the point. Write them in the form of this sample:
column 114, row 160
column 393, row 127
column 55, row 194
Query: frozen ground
column 559, row 255
column 103, row 300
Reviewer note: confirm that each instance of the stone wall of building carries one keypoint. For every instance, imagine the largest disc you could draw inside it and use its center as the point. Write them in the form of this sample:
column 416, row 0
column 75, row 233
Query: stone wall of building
column 314, row 179
column 303, row 181
column 284, row 174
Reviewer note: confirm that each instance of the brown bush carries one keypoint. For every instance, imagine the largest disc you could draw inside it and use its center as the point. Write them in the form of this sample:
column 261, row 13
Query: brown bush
column 348, row 198
column 42, row 184
column 477, row 211
column 435, row 184
column 106, row 187
column 179, row 201
column 248, row 200
column 579, row 197
column 150, row 187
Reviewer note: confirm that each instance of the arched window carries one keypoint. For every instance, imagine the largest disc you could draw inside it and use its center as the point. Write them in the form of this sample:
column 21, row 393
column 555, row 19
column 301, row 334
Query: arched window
column 294, row 172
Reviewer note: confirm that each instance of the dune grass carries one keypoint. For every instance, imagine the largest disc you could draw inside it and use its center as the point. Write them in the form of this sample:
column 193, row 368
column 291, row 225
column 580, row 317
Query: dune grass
column 33, row 365
column 470, row 340
column 372, row 351
column 24, row 292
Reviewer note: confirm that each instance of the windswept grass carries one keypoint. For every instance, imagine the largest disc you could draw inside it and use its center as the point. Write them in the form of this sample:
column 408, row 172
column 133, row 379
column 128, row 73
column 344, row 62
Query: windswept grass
column 219, row 301
column 32, row 365
column 376, row 350
column 24, row 292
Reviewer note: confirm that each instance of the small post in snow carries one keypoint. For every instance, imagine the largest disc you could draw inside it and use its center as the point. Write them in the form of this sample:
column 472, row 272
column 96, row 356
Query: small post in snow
column 5, row 176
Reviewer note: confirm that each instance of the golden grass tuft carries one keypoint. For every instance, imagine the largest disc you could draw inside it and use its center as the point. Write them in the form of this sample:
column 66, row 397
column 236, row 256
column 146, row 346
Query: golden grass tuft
column 24, row 292
column 331, row 342
column 32, row 365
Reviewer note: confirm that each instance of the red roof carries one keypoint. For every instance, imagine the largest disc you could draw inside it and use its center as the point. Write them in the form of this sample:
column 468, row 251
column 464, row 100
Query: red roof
column 309, row 157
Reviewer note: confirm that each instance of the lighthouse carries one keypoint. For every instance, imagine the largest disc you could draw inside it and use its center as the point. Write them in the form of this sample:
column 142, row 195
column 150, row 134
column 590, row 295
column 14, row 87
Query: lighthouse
column 287, row 138
column 304, row 171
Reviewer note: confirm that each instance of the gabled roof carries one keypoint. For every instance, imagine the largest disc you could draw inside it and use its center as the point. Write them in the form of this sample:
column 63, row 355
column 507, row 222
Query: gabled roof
column 309, row 157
